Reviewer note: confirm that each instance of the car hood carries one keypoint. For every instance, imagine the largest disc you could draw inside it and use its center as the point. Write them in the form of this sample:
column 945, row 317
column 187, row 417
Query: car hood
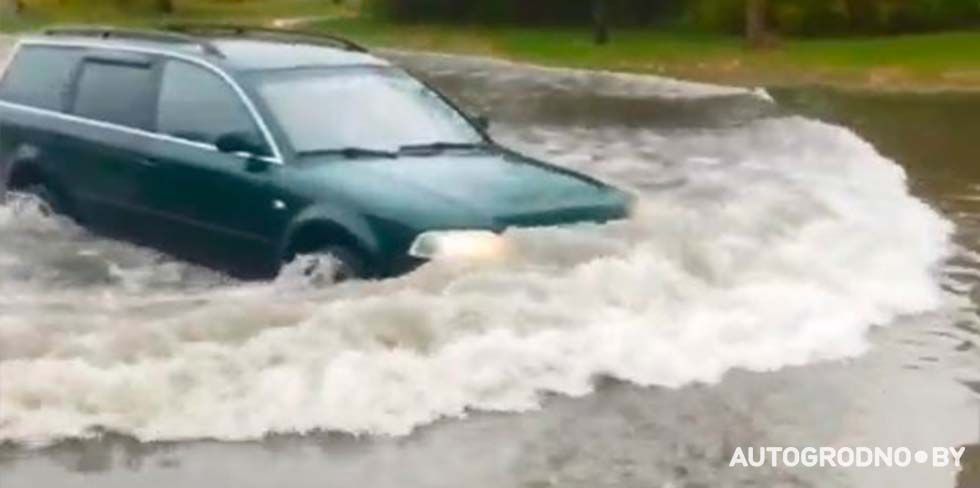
column 505, row 190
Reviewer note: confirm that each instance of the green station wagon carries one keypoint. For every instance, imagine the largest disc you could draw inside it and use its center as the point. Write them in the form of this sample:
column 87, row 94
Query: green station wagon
column 243, row 148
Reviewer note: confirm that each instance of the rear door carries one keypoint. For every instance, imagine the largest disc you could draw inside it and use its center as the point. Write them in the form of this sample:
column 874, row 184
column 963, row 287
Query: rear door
column 227, row 207
column 33, row 97
column 112, row 104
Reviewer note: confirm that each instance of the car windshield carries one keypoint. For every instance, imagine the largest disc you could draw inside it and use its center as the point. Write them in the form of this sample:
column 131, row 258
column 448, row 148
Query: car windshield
column 362, row 109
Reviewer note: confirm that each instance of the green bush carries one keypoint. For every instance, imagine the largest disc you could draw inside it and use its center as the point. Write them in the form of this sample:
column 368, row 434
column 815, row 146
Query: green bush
column 623, row 12
column 794, row 17
column 809, row 17
column 823, row 17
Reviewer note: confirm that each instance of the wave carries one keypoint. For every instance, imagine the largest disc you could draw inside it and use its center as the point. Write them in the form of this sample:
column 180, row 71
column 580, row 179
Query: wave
column 775, row 243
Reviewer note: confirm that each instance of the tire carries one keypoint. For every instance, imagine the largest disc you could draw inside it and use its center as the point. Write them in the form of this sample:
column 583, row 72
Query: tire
column 47, row 200
column 346, row 265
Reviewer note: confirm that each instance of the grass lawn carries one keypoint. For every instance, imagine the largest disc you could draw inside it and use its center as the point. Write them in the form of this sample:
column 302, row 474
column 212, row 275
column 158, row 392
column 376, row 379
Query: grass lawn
column 917, row 62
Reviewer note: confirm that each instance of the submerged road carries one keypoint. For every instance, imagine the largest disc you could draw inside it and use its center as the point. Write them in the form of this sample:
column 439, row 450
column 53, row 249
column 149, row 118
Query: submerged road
column 786, row 282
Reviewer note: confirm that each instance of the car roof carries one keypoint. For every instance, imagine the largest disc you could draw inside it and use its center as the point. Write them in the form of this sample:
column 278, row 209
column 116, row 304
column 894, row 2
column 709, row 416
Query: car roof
column 257, row 54
column 236, row 53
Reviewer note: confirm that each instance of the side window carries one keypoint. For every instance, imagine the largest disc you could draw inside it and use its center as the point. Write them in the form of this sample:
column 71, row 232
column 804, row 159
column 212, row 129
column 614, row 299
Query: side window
column 119, row 93
column 197, row 105
column 39, row 76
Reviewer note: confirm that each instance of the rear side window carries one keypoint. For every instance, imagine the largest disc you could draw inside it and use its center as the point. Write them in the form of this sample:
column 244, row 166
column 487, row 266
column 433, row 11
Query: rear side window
column 198, row 105
column 39, row 76
column 119, row 93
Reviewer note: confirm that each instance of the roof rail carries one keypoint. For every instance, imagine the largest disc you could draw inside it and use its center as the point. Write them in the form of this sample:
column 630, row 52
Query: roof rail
column 312, row 37
column 135, row 34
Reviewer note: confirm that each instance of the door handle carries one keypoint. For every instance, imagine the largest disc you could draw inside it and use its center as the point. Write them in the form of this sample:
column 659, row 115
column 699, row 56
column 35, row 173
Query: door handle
column 148, row 162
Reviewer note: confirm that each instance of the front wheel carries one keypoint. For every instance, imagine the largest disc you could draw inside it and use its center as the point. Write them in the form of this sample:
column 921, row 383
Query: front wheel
column 36, row 196
column 328, row 265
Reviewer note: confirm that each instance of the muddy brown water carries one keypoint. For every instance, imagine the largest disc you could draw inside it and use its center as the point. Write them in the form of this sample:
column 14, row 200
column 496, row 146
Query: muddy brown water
column 804, row 272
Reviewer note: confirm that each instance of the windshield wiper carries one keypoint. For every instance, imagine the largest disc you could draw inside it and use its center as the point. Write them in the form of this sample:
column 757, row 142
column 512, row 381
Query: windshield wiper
column 440, row 146
column 351, row 153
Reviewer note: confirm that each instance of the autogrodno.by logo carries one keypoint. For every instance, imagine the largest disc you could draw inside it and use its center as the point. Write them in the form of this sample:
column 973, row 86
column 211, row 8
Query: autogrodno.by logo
column 846, row 457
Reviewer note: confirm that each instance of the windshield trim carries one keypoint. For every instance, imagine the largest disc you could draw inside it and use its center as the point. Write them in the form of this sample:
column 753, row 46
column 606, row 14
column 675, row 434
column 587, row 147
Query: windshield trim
column 350, row 153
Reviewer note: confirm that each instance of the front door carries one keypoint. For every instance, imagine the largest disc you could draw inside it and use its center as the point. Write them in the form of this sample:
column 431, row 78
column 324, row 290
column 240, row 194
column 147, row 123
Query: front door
column 226, row 204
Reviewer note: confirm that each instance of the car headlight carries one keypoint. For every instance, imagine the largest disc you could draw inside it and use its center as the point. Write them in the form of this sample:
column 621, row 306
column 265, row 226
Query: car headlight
column 459, row 244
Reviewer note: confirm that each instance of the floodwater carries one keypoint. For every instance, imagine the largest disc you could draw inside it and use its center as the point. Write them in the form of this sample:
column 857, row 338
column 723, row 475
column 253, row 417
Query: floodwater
column 802, row 270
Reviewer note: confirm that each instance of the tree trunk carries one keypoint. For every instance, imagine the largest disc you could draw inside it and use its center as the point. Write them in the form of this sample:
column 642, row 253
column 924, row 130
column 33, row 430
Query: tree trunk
column 600, row 21
column 755, row 23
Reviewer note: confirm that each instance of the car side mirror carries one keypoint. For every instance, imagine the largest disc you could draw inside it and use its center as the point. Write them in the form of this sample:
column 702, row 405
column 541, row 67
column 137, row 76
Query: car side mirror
column 482, row 122
column 239, row 142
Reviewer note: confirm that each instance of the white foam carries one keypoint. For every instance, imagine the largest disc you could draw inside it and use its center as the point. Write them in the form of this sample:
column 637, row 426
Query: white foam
column 786, row 249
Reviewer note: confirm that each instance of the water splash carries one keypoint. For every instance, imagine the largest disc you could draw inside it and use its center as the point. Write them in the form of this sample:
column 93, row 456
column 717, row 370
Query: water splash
column 784, row 250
